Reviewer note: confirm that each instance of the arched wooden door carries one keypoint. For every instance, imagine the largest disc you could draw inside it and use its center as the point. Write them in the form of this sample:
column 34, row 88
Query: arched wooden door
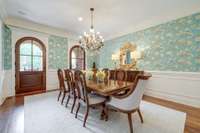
column 30, row 65
column 77, row 58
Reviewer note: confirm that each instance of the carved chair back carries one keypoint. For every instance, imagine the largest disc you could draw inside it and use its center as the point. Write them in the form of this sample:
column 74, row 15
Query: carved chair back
column 131, row 75
column 106, row 71
column 80, row 84
column 120, row 75
column 61, row 80
column 112, row 74
column 69, row 78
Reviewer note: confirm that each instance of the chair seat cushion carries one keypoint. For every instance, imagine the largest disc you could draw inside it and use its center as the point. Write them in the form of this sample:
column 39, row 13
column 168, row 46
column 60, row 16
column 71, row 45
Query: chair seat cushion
column 95, row 99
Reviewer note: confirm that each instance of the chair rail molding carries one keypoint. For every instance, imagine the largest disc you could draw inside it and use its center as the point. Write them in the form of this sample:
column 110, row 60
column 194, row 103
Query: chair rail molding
column 180, row 87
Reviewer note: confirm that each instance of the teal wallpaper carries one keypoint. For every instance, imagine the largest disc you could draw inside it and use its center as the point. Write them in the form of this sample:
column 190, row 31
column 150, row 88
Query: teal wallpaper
column 172, row 46
column 91, row 59
column 7, row 48
column 58, row 52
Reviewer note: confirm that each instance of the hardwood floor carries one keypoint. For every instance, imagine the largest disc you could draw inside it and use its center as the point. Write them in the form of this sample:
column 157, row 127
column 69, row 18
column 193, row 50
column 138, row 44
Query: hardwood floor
column 12, row 114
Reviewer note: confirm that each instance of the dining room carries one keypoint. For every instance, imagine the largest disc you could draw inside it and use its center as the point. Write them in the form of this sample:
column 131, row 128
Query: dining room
column 93, row 66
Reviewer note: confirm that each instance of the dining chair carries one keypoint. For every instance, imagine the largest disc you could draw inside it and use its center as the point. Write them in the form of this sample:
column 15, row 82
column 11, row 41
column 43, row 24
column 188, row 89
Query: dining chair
column 120, row 74
column 106, row 71
column 111, row 74
column 62, row 86
column 69, row 78
column 86, row 98
column 131, row 75
column 130, row 102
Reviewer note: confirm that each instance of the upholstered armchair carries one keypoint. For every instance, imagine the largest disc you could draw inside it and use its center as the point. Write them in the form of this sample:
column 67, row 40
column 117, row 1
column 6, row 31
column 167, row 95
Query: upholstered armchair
column 130, row 102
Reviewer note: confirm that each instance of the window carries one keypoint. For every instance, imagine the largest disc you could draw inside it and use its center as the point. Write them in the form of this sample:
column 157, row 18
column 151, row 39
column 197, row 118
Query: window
column 77, row 58
column 31, row 56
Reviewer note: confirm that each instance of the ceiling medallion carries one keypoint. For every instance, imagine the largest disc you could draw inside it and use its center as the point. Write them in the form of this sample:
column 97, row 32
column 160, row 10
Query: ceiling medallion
column 92, row 41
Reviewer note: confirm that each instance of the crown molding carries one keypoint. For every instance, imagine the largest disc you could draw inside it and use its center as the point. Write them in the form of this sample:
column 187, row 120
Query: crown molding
column 29, row 25
column 154, row 21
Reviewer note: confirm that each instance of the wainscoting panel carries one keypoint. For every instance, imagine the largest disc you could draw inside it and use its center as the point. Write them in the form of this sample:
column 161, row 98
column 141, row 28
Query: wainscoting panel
column 181, row 87
column 6, row 83
column 52, row 80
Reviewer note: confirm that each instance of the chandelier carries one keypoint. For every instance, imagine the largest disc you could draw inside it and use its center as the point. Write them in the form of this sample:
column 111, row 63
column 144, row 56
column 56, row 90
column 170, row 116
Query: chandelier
column 92, row 41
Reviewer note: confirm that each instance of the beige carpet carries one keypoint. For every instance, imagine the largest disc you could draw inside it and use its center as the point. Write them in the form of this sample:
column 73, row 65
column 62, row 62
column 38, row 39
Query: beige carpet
column 43, row 114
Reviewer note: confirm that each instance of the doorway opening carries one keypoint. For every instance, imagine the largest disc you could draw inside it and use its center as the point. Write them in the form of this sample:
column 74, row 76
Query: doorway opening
column 77, row 58
column 30, row 65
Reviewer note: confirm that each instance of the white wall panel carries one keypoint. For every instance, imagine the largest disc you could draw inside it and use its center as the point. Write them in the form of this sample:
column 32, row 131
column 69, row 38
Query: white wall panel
column 181, row 87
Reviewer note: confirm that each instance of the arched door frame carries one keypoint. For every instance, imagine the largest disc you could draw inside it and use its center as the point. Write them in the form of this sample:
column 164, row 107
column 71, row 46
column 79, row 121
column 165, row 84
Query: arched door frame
column 70, row 56
column 17, row 60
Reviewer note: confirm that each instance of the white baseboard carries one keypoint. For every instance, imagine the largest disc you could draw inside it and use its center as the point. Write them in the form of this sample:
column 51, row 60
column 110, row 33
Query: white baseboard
column 180, row 87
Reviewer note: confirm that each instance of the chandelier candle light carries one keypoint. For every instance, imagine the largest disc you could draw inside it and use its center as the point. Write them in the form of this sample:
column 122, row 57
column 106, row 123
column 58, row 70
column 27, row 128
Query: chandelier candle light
column 92, row 41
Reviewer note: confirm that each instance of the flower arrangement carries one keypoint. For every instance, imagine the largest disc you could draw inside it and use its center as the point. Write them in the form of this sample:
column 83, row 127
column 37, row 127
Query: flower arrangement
column 100, row 75
column 89, row 74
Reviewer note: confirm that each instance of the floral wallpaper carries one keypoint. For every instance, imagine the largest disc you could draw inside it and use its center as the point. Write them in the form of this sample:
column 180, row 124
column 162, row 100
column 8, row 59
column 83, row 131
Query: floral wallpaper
column 58, row 52
column 7, row 48
column 172, row 46
column 91, row 59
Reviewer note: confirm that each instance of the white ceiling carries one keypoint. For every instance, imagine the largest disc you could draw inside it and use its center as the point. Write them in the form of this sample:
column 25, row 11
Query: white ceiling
column 112, row 17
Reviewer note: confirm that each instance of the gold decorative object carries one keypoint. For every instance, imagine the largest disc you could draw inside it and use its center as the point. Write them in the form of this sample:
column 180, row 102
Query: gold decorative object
column 129, row 56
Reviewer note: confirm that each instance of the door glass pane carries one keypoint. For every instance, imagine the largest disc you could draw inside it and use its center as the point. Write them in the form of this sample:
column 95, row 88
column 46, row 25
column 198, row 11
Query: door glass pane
column 77, row 58
column 79, row 64
column 25, row 48
column 79, row 53
column 30, row 56
column 73, row 54
column 73, row 63
column 25, row 63
column 37, row 63
column 37, row 50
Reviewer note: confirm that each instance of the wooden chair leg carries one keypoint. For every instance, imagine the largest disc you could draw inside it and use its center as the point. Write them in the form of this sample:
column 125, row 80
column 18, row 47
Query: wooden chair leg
column 86, row 116
column 103, row 111
column 77, row 110
column 67, row 100
column 130, row 122
column 59, row 95
column 74, row 101
column 140, row 114
column 63, row 98
column 106, row 113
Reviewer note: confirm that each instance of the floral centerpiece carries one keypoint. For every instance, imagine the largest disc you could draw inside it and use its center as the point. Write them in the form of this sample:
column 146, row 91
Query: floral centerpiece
column 100, row 76
column 88, row 74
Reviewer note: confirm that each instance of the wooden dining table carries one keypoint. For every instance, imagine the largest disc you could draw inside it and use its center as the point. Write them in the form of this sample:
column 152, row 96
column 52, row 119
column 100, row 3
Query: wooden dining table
column 108, row 88
column 112, row 87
